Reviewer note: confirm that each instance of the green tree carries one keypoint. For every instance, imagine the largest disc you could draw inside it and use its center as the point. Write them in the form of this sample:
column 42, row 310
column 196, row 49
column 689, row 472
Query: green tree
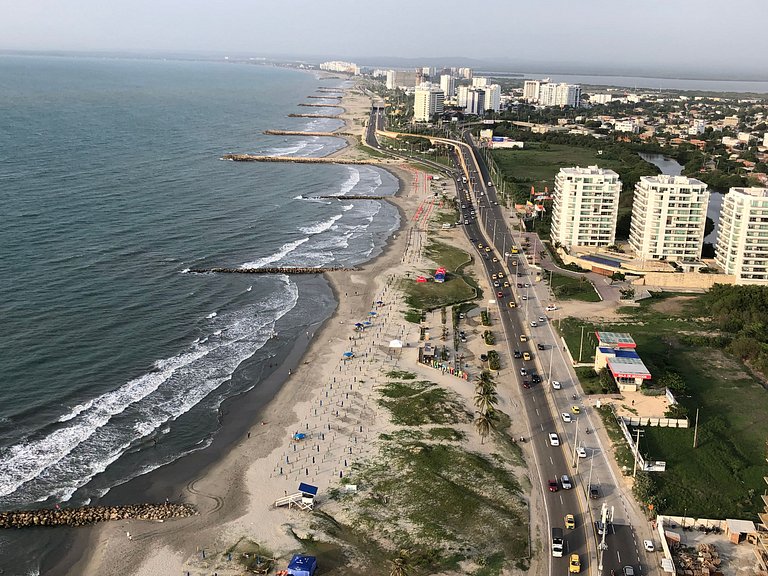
column 677, row 411
column 485, row 422
column 399, row 565
column 674, row 382
column 486, row 398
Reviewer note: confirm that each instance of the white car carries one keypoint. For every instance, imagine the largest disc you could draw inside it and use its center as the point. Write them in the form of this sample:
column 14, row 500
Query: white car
column 581, row 451
column 542, row 319
column 566, row 482
column 648, row 545
column 566, row 417
column 551, row 307
column 556, row 385
column 533, row 324
column 554, row 439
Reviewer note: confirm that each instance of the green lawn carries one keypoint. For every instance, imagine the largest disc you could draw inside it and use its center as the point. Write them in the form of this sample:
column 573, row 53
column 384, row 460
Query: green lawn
column 568, row 288
column 723, row 477
column 457, row 287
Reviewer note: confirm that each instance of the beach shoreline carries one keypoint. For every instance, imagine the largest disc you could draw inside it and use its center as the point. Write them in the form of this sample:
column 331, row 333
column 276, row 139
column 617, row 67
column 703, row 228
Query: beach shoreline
column 266, row 423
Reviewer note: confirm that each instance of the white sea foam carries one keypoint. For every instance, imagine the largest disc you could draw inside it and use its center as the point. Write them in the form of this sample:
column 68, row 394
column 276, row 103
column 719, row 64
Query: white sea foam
column 320, row 226
column 249, row 288
column 353, row 177
column 59, row 462
column 76, row 410
column 284, row 250
column 185, row 271
column 211, row 315
column 347, row 207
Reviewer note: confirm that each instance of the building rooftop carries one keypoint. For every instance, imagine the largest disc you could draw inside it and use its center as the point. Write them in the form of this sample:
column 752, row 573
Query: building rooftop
column 615, row 340
column 626, row 366
column 669, row 179
column 589, row 170
column 756, row 192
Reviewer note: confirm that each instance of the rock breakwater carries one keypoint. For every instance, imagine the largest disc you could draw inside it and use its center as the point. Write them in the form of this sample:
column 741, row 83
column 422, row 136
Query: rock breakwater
column 87, row 515
column 317, row 105
column 331, row 116
column 273, row 270
column 300, row 133
column 295, row 159
column 329, row 97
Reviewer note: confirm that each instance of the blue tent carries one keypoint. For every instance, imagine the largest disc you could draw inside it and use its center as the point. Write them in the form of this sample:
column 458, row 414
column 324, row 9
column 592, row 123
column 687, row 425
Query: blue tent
column 302, row 565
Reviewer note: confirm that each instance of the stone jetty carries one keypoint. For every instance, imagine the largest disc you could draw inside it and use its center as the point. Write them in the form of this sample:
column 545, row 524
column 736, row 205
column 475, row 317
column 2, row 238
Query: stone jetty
column 347, row 197
column 315, row 105
column 329, row 97
column 314, row 116
column 327, row 89
column 272, row 270
column 294, row 159
column 86, row 515
column 300, row 133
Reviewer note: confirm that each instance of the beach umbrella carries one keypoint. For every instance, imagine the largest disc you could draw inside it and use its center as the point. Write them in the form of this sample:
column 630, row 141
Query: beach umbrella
column 358, row 324
column 379, row 302
column 367, row 323
column 372, row 313
column 348, row 354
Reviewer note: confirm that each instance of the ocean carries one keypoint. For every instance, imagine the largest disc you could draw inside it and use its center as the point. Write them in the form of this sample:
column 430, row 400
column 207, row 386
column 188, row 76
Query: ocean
column 116, row 360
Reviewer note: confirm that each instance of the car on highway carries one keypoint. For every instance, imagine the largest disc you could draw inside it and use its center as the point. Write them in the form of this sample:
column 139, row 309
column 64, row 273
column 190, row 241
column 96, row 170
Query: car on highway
column 574, row 565
column 500, row 274
column 566, row 417
column 534, row 324
column 552, row 484
column 566, row 482
column 526, row 384
column 480, row 245
column 523, row 338
column 494, row 276
column 556, row 385
column 494, row 259
column 506, row 284
column 487, row 248
column 628, row 571
column 512, row 303
column 648, row 545
column 536, row 378
column 594, row 491
column 570, row 522
column 524, row 297
column 526, row 355
column 523, row 372
column 517, row 354
column 554, row 439
column 500, row 294
column 496, row 284
column 575, row 409
column 581, row 452
column 542, row 319
column 541, row 346
column 599, row 527
column 519, row 284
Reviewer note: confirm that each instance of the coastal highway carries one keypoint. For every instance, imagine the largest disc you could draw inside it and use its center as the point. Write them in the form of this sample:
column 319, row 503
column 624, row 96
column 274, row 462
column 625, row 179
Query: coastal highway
column 545, row 405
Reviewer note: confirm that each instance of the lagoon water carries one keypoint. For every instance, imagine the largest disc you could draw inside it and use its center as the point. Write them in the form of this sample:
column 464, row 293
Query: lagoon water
column 116, row 361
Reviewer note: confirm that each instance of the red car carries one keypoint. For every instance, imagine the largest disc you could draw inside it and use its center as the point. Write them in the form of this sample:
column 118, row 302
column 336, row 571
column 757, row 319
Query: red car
column 526, row 384
column 500, row 294
column 553, row 485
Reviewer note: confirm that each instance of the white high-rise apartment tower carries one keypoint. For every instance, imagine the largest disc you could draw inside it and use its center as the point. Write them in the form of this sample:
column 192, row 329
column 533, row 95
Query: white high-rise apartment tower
column 428, row 101
column 586, row 207
column 531, row 90
column 448, row 85
column 479, row 82
column 668, row 217
column 493, row 97
column 742, row 236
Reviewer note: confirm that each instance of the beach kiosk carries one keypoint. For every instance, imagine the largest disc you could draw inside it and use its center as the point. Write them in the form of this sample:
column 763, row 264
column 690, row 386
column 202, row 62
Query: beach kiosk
column 304, row 499
column 302, row 565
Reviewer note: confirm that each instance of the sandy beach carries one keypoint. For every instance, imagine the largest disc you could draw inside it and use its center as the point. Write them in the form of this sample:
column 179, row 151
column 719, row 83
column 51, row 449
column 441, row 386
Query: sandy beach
column 321, row 397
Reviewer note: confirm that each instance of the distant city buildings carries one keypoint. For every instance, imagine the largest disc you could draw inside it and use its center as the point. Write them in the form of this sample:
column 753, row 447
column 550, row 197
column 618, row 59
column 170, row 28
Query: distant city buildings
column 341, row 66
column 403, row 79
column 629, row 126
column 475, row 101
column 492, row 97
column 462, row 95
column 668, row 218
column 531, row 90
column 742, row 237
column 464, row 73
column 601, row 98
column 546, row 93
column 428, row 101
column 448, row 85
column 586, row 206
column 479, row 82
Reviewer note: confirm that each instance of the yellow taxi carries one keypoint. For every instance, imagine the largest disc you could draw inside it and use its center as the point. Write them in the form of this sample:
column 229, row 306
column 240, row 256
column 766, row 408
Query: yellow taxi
column 501, row 274
column 575, row 409
column 523, row 338
column 512, row 304
column 494, row 276
column 570, row 521
column 574, row 566
column 487, row 248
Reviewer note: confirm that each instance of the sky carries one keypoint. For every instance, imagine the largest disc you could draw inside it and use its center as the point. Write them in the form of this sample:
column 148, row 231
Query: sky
column 699, row 36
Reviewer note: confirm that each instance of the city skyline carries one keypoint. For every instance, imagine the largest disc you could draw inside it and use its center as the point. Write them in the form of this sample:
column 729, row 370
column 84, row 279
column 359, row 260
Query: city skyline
column 654, row 37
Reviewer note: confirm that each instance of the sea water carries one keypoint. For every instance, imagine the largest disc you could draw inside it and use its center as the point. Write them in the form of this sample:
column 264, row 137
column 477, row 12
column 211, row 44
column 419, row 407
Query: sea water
column 115, row 358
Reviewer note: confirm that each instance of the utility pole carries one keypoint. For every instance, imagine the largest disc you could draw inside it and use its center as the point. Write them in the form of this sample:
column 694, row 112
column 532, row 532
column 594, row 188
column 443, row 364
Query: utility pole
column 637, row 453
column 575, row 444
column 581, row 343
column 696, row 428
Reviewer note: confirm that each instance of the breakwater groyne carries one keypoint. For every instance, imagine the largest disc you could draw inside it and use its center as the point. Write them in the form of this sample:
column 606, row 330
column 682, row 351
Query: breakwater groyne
column 272, row 270
column 333, row 117
column 327, row 89
column 300, row 133
column 86, row 515
column 347, row 197
column 293, row 159
column 329, row 97
column 316, row 105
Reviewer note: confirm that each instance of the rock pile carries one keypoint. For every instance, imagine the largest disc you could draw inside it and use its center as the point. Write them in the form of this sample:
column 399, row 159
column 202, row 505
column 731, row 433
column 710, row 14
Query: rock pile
column 86, row 515
column 294, row 159
column 273, row 270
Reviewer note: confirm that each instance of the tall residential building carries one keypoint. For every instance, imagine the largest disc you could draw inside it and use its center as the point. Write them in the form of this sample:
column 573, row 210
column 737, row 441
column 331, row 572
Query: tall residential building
column 462, row 95
column 475, row 101
column 402, row 79
column 341, row 66
column 465, row 72
column 447, row 85
column 428, row 101
column 586, row 206
column 559, row 94
column 479, row 82
column 531, row 90
column 742, row 236
column 493, row 97
column 668, row 217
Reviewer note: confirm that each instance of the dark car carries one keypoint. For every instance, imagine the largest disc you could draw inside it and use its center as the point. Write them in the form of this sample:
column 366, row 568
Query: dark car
column 536, row 379
column 552, row 485
column 517, row 354
column 594, row 491
column 526, row 384
column 541, row 346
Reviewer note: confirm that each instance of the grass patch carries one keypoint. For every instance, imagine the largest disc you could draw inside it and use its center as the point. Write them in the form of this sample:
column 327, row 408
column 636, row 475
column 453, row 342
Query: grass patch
column 421, row 402
column 431, row 295
column 450, row 257
column 413, row 316
column 589, row 380
column 401, row 375
column 450, row 434
column 568, row 288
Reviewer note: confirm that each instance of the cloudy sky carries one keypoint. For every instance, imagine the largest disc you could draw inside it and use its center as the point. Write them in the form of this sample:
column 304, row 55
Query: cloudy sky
column 621, row 35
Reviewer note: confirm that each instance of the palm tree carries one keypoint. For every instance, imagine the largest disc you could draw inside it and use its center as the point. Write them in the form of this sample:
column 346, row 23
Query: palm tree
column 399, row 564
column 486, row 398
column 484, row 422
column 484, row 380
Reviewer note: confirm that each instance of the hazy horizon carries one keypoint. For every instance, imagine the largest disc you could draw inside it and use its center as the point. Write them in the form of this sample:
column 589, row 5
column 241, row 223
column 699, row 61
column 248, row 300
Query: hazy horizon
column 685, row 38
